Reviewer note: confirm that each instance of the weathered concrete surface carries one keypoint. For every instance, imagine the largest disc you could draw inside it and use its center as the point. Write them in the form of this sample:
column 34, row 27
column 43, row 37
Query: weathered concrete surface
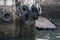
column 28, row 30
column 51, row 10
column 50, row 7
column 7, row 29
column 17, row 26
column 24, row 30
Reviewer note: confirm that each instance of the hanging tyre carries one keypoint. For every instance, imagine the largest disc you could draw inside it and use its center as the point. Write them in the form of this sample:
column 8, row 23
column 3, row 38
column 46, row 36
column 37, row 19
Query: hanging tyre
column 25, row 18
column 7, row 16
column 22, row 9
column 39, row 9
column 34, row 12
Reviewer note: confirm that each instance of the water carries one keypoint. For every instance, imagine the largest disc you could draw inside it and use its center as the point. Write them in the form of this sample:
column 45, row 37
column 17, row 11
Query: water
column 42, row 35
column 51, row 35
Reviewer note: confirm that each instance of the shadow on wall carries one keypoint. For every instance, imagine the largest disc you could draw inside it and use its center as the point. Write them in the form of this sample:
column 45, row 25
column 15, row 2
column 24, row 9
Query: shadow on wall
column 51, row 10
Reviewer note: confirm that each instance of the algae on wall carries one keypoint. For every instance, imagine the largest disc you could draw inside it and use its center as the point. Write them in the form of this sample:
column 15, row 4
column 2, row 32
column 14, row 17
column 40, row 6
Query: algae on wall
column 27, row 30
column 7, row 29
column 13, row 28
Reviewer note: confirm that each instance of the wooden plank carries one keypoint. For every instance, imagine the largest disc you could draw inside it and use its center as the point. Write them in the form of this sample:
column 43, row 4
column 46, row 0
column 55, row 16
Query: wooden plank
column 43, row 22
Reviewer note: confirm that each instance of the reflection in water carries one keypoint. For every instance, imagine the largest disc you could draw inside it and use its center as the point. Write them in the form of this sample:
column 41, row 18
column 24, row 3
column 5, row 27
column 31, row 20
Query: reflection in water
column 42, row 39
column 42, row 35
column 20, row 38
column 51, row 35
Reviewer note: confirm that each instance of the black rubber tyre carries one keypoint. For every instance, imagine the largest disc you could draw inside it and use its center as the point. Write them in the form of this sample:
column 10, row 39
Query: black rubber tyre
column 22, row 9
column 25, row 17
column 34, row 12
column 7, row 16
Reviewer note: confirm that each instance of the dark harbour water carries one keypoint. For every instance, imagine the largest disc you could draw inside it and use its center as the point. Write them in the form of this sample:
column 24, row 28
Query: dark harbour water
column 46, row 35
column 51, row 35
